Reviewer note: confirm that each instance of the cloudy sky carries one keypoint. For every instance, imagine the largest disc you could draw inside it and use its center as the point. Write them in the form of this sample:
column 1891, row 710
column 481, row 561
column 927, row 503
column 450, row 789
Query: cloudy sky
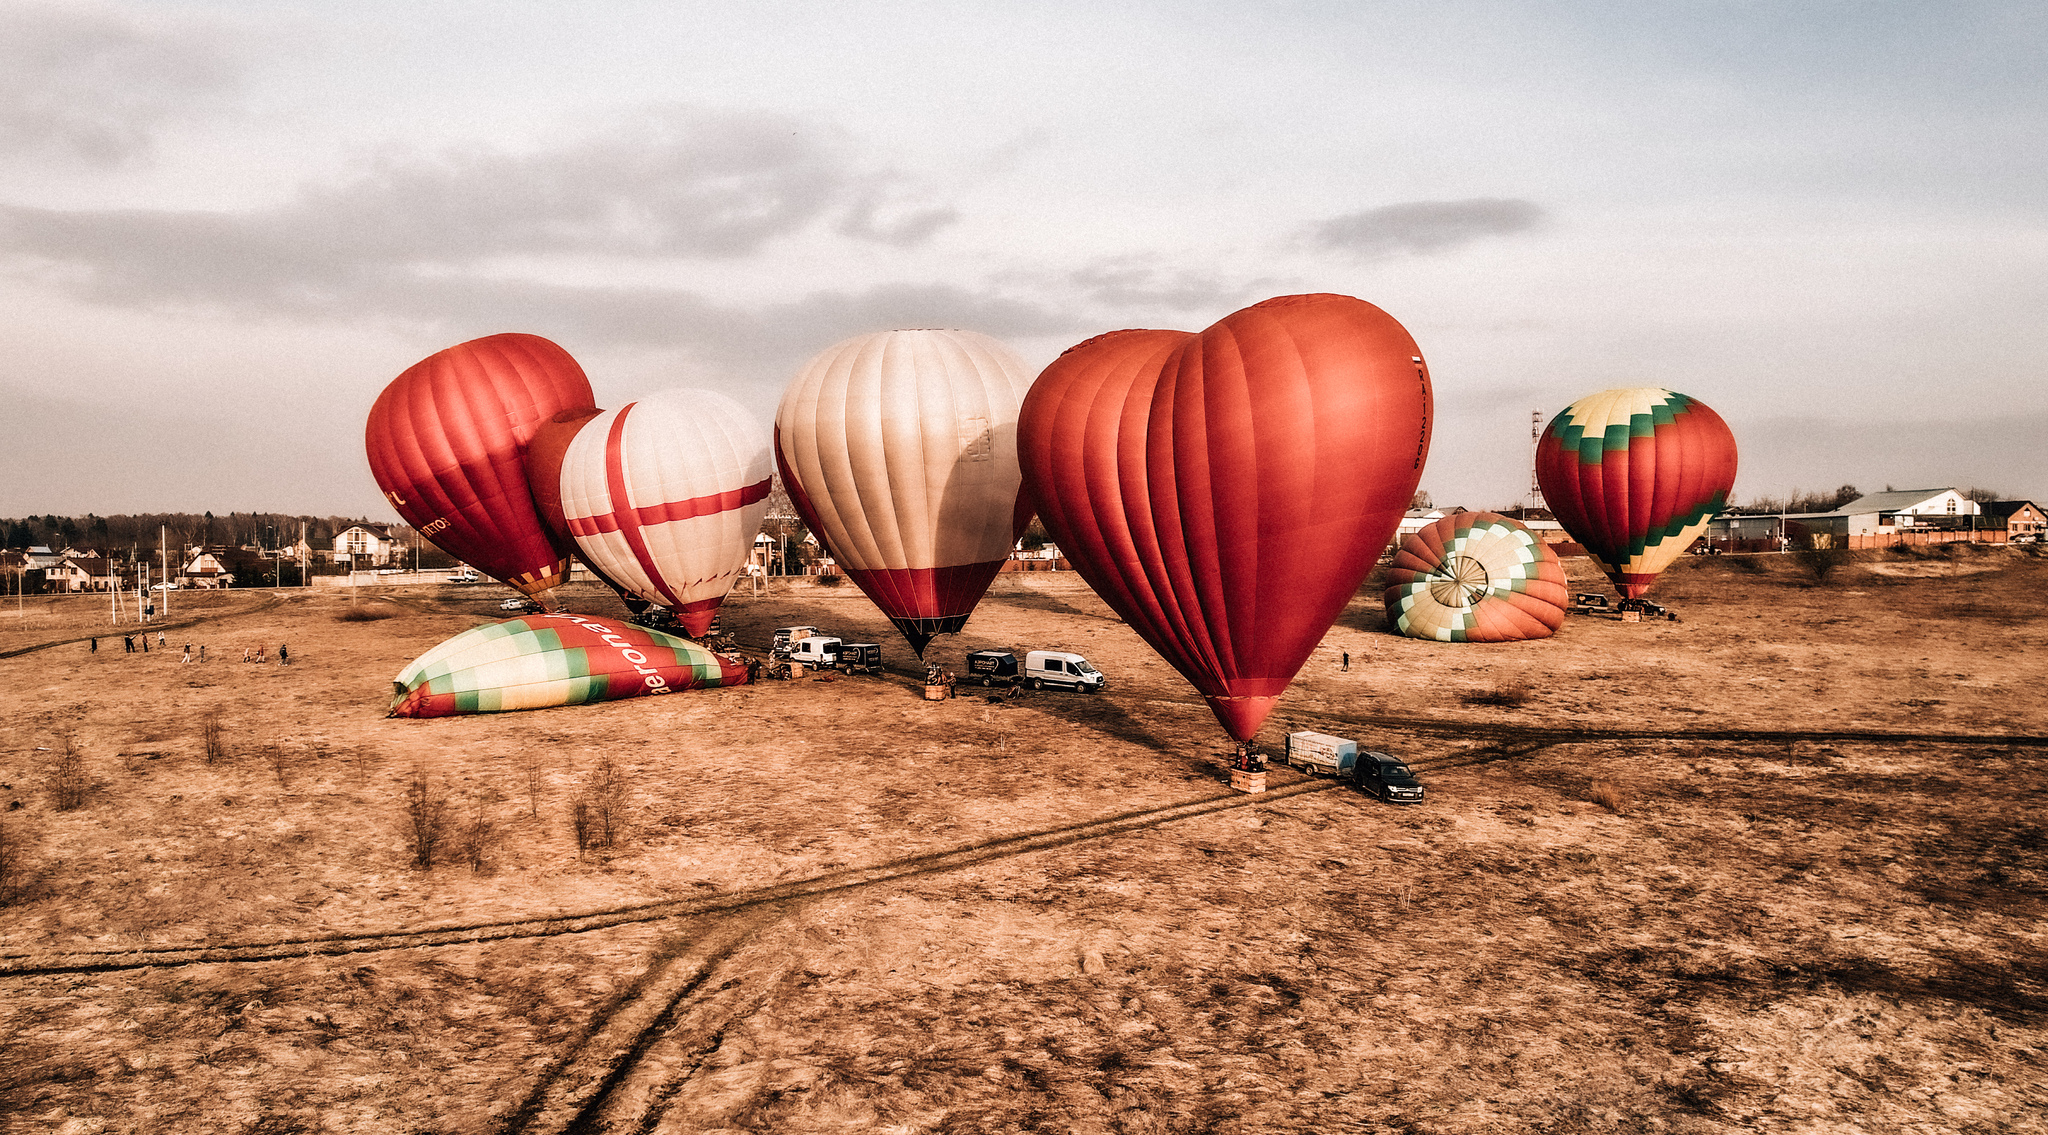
column 225, row 226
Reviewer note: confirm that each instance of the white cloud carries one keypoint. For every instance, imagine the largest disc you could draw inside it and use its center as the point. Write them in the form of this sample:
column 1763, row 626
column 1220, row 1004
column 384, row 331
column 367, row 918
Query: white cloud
column 90, row 86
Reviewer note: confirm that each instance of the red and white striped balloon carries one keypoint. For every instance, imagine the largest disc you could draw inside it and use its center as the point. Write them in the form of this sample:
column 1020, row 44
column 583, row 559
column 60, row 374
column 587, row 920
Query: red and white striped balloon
column 664, row 496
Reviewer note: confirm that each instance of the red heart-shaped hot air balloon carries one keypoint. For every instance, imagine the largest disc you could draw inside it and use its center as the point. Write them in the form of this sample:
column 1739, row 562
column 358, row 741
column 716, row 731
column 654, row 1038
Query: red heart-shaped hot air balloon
column 1226, row 492
column 447, row 443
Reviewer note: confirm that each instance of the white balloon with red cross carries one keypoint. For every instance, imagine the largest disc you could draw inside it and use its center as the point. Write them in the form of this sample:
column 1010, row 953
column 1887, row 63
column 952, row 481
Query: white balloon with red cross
column 664, row 496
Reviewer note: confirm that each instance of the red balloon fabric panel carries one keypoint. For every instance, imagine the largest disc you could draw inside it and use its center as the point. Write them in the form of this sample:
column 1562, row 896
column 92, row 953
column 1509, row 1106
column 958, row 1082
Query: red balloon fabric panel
column 447, row 444
column 1226, row 492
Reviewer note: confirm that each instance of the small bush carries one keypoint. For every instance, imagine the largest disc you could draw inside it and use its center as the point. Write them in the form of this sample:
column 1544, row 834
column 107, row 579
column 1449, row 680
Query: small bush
column 1820, row 563
column 579, row 817
column 1509, row 695
column 600, row 813
column 533, row 786
column 832, row 580
column 69, row 784
column 475, row 840
column 212, row 741
column 10, row 867
column 280, row 762
column 1608, row 796
column 366, row 614
column 426, row 813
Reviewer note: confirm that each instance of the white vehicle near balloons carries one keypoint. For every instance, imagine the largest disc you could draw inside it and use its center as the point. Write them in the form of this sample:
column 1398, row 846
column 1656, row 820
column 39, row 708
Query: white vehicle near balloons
column 664, row 496
column 899, row 450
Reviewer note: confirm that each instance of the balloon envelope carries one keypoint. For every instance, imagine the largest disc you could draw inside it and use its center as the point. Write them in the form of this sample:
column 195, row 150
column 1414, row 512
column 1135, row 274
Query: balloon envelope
column 447, row 444
column 539, row 661
column 665, row 495
column 1226, row 492
column 899, row 450
column 1476, row 577
column 1635, row 475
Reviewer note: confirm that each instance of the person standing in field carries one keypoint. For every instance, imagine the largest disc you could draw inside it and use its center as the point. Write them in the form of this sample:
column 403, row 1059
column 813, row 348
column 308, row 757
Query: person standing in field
column 159, row 640
column 95, row 645
column 187, row 656
column 284, row 656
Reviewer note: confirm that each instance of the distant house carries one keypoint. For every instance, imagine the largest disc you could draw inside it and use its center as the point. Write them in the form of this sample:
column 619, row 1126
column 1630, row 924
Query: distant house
column 1888, row 513
column 2021, row 517
column 81, row 573
column 366, row 544
column 218, row 567
column 41, row 558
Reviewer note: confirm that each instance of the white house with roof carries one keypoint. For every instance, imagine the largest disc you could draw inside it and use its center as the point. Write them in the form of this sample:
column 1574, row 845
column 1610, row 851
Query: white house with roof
column 1893, row 511
column 366, row 544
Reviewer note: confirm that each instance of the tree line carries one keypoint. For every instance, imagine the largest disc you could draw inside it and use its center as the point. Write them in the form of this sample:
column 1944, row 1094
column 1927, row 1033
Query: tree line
column 139, row 533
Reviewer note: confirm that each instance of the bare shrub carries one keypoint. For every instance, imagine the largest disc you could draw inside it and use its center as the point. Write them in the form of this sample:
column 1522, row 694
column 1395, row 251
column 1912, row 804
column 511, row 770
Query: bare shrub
column 476, row 838
column 1508, row 694
column 579, row 817
column 1820, row 563
column 533, row 786
column 600, row 813
column 833, row 579
column 426, row 813
column 10, row 867
column 212, row 738
column 280, row 762
column 369, row 613
column 69, row 783
column 1609, row 796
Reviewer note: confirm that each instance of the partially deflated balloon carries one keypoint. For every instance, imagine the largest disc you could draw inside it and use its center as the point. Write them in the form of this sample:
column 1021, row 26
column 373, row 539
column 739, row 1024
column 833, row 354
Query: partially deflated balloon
column 1476, row 577
column 540, row 661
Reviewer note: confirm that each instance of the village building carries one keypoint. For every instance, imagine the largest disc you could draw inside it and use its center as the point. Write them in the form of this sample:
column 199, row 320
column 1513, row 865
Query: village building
column 220, row 567
column 81, row 573
column 2024, row 520
column 366, row 545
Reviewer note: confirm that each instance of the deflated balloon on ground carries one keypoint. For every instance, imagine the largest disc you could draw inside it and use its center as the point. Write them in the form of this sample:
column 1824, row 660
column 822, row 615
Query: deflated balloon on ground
column 539, row 661
column 1476, row 577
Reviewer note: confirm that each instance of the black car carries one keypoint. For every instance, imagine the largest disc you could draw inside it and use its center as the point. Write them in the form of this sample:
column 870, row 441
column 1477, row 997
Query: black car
column 1387, row 777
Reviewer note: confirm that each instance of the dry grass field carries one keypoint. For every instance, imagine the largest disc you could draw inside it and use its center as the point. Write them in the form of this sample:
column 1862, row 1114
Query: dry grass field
column 1778, row 866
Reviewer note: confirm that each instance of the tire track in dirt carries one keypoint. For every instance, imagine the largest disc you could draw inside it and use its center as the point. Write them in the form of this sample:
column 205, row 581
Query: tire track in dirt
column 202, row 620
column 576, row 1091
column 35, row 965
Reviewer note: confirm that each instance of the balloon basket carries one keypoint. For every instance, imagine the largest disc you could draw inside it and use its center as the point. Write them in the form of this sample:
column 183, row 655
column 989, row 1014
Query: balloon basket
column 1631, row 616
column 937, row 693
column 1243, row 781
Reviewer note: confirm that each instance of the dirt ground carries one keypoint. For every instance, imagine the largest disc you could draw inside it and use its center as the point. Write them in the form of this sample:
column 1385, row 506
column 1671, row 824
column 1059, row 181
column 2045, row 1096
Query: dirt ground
column 1778, row 866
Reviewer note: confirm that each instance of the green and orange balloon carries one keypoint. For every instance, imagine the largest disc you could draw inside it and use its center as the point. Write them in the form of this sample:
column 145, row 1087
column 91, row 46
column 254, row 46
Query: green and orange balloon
column 1634, row 475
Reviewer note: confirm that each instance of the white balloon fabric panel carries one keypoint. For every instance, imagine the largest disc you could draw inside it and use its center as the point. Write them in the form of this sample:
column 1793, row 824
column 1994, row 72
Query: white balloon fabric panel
column 905, row 444
column 664, row 495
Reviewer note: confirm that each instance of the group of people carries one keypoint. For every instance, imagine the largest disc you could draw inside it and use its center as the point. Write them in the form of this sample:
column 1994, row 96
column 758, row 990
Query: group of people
column 249, row 653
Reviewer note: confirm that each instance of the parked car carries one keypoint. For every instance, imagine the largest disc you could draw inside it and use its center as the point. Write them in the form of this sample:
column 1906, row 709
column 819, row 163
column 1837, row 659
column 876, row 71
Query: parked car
column 167, row 585
column 464, row 576
column 519, row 603
column 1387, row 777
column 1062, row 669
column 820, row 652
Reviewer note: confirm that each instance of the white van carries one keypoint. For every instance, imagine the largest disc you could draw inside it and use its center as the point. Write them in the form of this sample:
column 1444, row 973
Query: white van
column 1061, row 670
column 819, row 653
